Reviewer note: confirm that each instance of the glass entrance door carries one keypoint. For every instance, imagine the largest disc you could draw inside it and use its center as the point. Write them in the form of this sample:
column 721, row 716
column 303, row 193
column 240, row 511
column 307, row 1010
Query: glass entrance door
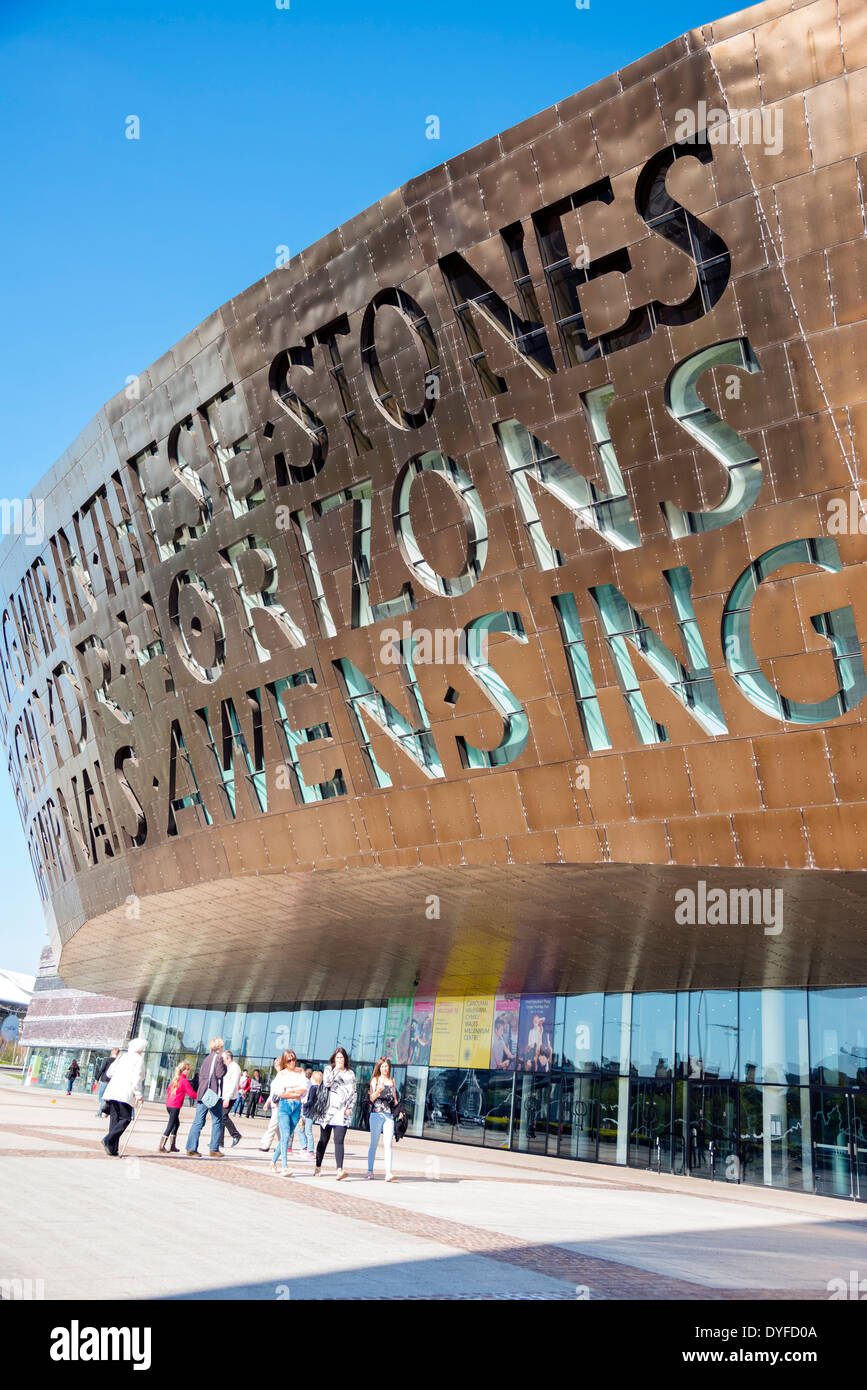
column 578, row 1115
column 839, row 1125
column 650, row 1125
column 530, row 1122
column 712, row 1132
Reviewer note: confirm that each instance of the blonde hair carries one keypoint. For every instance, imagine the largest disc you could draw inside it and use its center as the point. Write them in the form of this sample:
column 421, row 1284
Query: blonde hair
column 217, row 1044
column 317, row 1077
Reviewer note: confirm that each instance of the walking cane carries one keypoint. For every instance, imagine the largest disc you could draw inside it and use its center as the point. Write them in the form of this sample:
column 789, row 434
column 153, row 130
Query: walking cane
column 130, row 1128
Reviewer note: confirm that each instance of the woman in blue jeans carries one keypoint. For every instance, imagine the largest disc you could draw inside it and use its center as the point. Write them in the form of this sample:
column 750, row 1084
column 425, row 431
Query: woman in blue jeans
column 383, row 1099
column 289, row 1087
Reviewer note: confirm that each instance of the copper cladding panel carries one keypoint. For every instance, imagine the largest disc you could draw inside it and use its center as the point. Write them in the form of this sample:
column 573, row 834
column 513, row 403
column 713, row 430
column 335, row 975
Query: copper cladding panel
column 559, row 870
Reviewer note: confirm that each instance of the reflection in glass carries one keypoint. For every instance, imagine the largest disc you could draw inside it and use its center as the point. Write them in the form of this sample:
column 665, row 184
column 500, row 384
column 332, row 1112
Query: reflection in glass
column 653, row 1035
column 413, row 1097
column 212, row 1027
column 838, row 1036
column 498, row 1110
column 774, row 1036
column 532, row 1101
column 617, row 1023
column 327, row 1030
column 175, row 1029
column 712, row 1133
column 439, row 1108
column 613, row 1108
column 367, row 1032
column 650, row 1125
column 193, row 1030
column 774, row 1149
column 279, row 1033
column 834, row 1121
column 471, row 1106
column 304, row 1032
column 236, row 1023
column 254, row 1035
column 709, row 1082
column 713, row 1035
column 578, row 1117
column 152, row 1026
column 582, row 1033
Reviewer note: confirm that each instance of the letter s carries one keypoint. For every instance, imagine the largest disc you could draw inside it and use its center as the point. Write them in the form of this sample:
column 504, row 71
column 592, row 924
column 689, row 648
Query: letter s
column 666, row 218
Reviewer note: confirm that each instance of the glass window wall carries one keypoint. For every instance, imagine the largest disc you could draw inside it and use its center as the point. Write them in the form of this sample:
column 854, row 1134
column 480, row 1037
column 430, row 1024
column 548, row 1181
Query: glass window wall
column 766, row 1087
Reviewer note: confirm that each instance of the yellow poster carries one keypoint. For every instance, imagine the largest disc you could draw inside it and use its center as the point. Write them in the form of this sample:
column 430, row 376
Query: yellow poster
column 476, row 1032
column 446, row 1044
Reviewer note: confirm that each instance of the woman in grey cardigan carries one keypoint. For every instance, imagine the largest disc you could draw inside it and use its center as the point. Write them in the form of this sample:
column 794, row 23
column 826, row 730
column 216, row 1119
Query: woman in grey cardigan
column 339, row 1082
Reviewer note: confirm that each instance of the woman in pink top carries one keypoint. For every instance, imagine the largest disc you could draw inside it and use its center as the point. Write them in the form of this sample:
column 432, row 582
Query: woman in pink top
column 179, row 1091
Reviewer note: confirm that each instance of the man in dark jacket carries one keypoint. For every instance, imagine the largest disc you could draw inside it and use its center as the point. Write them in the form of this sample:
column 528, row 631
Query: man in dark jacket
column 211, row 1074
column 102, row 1079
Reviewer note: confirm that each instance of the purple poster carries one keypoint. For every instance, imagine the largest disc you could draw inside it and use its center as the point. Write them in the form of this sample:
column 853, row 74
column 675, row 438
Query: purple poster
column 536, row 1033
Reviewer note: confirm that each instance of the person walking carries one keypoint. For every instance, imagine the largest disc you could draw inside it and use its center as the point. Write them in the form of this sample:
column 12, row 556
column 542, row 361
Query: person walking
column 179, row 1091
column 301, row 1077
column 255, row 1092
column 102, row 1079
column 383, row 1100
column 209, row 1101
column 308, row 1141
column 339, row 1082
column 290, row 1087
column 72, row 1075
column 243, row 1092
column 271, row 1104
column 231, row 1082
column 309, row 1102
column 124, row 1090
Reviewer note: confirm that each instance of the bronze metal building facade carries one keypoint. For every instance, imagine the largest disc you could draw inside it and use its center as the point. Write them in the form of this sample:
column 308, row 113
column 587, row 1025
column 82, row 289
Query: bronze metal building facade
column 475, row 605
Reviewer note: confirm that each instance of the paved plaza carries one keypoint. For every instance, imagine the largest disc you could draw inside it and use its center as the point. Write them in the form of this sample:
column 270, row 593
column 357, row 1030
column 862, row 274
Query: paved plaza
column 457, row 1223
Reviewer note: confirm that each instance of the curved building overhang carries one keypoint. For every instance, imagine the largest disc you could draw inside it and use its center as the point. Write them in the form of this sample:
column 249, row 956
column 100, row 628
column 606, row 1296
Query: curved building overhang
column 448, row 605
column 371, row 932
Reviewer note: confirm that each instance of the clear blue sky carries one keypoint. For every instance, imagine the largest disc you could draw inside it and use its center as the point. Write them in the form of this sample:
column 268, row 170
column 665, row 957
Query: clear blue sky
column 259, row 127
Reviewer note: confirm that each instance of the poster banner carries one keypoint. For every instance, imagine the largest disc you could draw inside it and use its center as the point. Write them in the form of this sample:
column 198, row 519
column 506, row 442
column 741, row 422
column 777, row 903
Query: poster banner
column 476, row 1031
column 536, row 1033
column 446, row 1045
column 398, row 1029
column 504, row 1044
column 421, row 1032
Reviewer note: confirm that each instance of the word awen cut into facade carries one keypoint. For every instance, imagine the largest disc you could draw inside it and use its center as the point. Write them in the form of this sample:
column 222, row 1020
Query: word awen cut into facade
column 444, row 604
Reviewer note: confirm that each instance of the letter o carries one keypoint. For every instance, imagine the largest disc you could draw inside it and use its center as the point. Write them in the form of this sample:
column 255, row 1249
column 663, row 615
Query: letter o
column 380, row 392
column 474, row 519
column 197, row 627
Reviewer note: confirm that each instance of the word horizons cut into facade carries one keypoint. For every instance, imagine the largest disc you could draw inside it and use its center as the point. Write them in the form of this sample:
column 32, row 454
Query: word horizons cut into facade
column 206, row 539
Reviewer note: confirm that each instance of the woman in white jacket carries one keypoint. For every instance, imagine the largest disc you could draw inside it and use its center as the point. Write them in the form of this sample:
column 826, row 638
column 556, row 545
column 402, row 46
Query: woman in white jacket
column 125, row 1079
column 339, row 1082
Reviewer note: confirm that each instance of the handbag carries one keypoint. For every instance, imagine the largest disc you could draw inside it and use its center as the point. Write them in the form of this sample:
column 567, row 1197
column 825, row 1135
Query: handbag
column 210, row 1097
column 319, row 1109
